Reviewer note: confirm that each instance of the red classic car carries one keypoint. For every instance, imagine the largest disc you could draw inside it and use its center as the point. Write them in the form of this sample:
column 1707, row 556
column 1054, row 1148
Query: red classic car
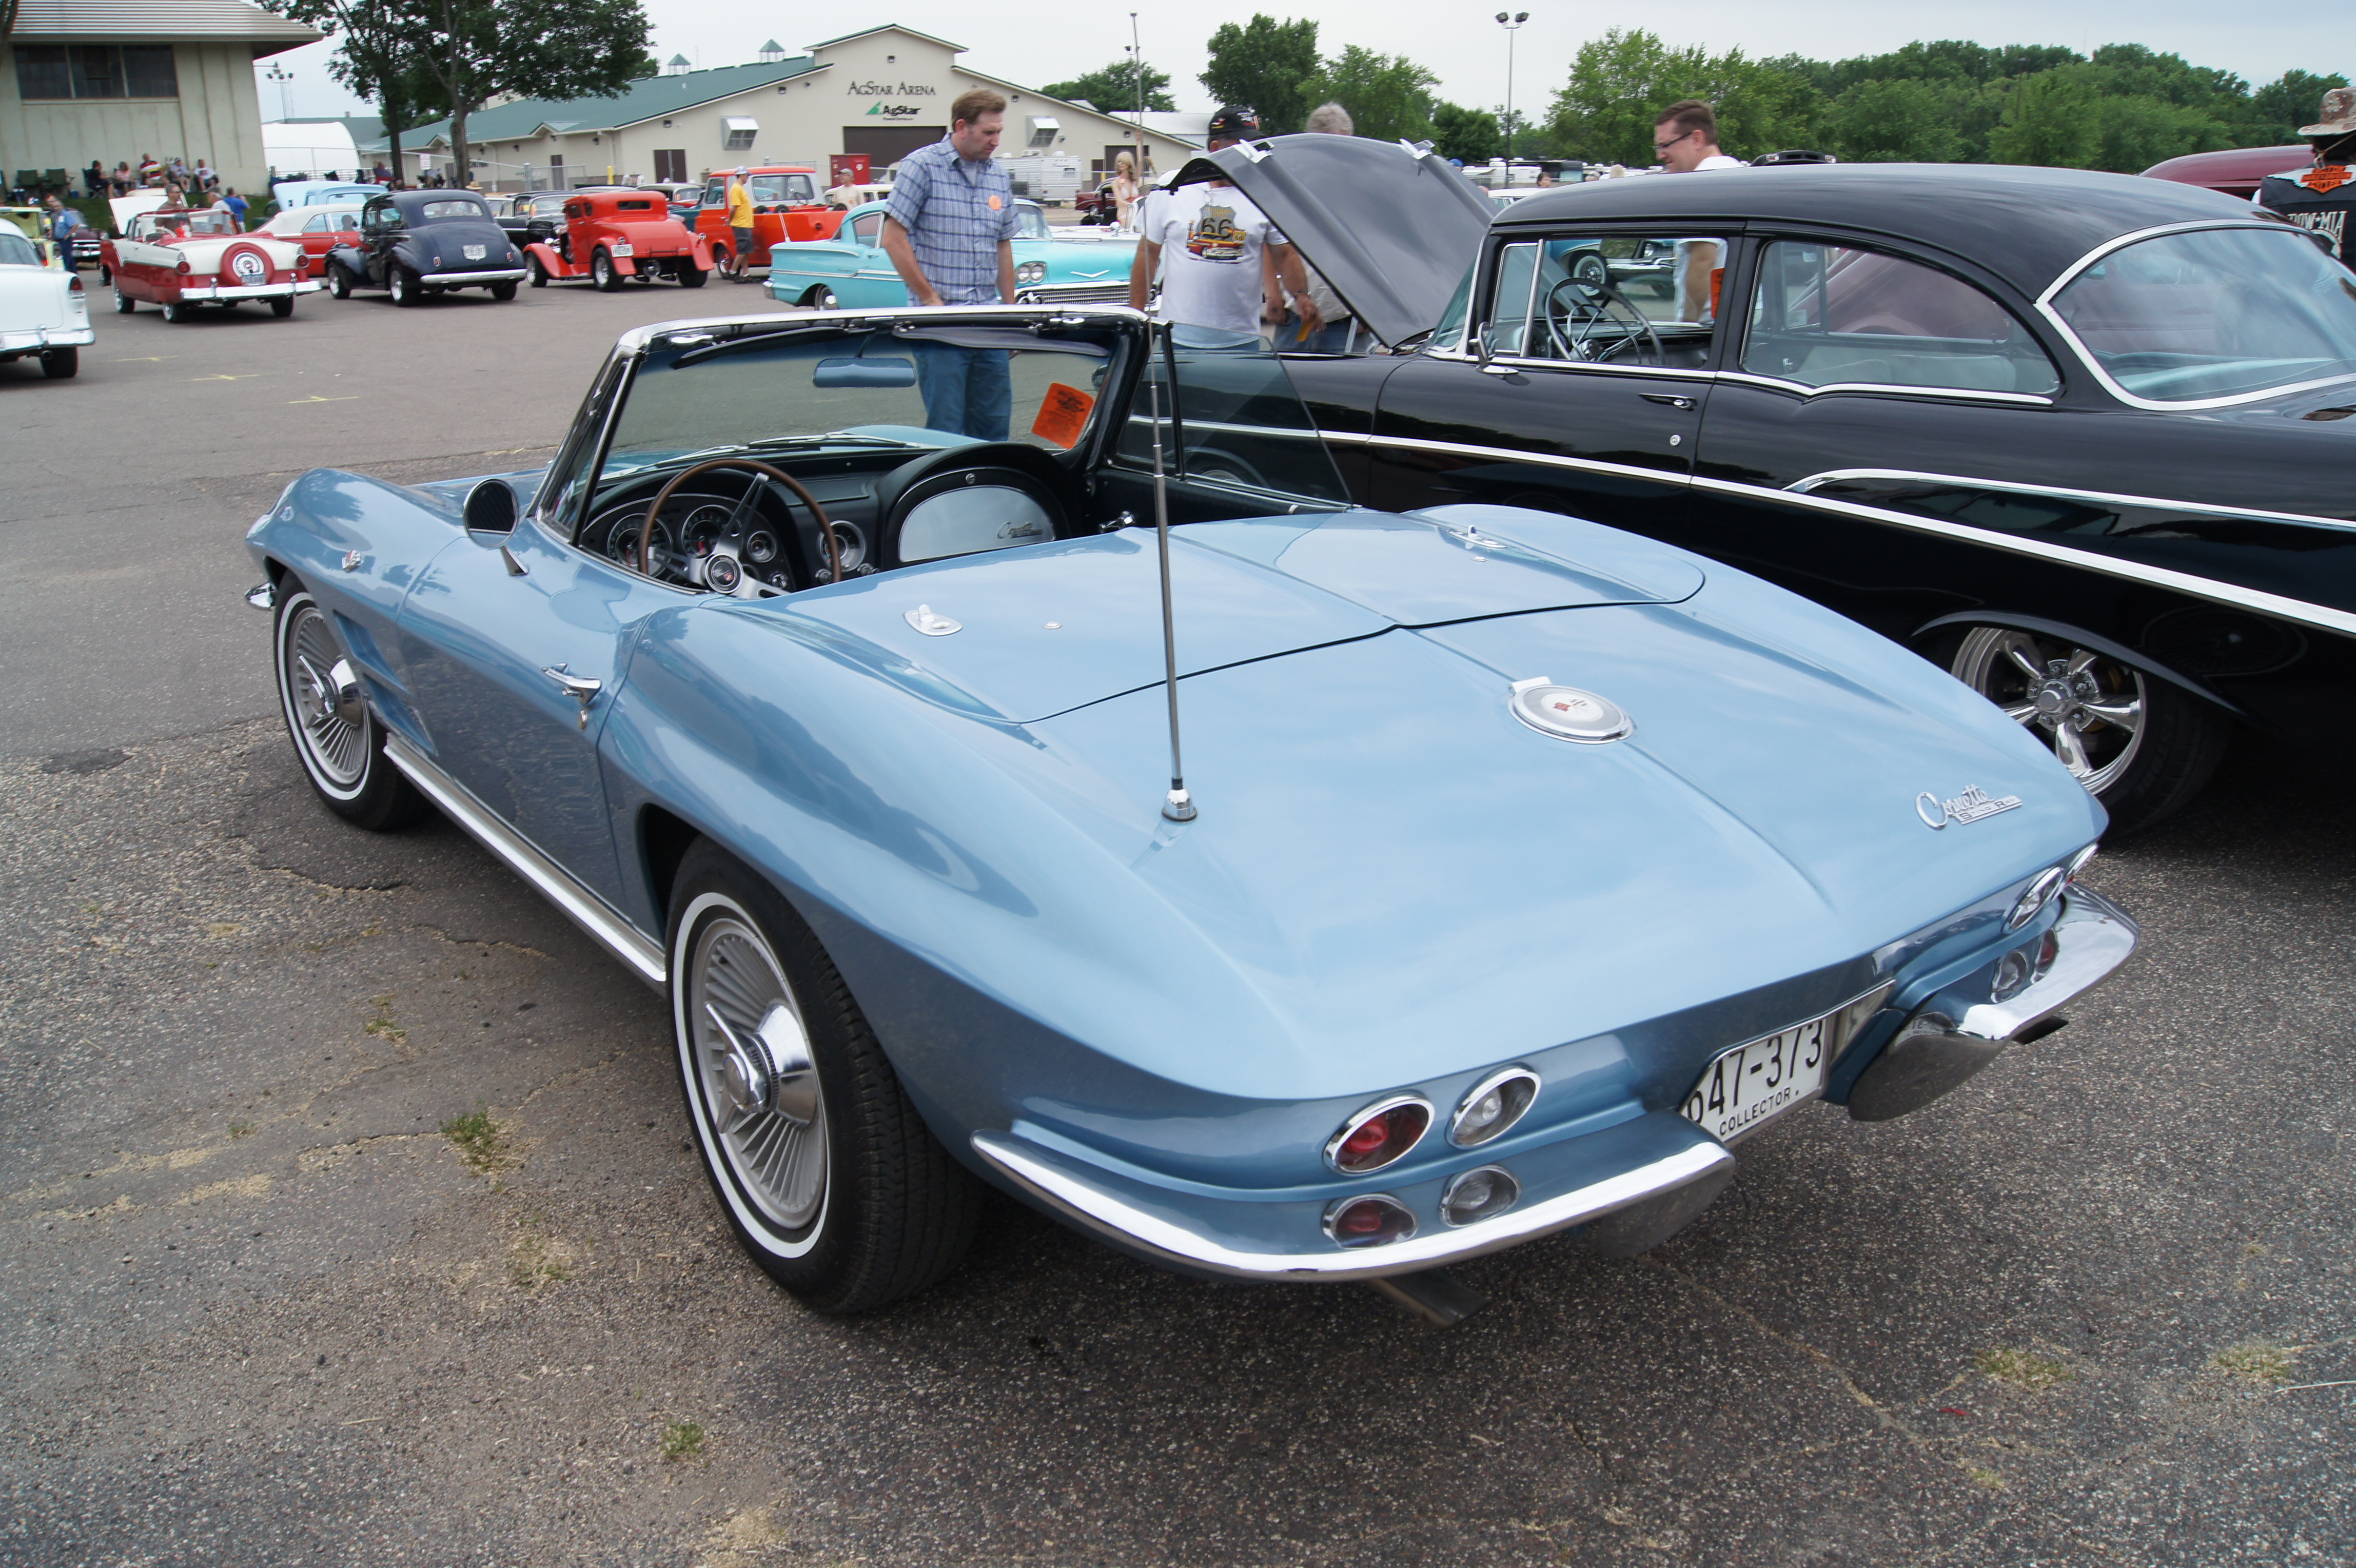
column 786, row 205
column 2237, row 171
column 613, row 235
column 180, row 260
column 317, row 230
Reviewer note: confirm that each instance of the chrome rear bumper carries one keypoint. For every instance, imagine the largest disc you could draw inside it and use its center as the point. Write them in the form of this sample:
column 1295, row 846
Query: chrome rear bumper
column 459, row 279
column 1664, row 1171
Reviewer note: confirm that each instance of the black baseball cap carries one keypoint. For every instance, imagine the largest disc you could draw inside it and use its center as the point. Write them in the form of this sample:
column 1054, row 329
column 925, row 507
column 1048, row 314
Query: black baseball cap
column 1234, row 124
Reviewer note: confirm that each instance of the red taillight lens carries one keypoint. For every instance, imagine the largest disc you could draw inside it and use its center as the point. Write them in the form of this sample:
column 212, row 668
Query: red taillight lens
column 1377, row 1135
column 73, row 283
column 1369, row 1221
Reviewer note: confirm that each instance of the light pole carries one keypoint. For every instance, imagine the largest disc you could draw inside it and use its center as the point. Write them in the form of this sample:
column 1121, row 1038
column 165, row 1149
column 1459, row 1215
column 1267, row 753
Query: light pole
column 1511, row 24
column 1136, row 59
column 285, row 80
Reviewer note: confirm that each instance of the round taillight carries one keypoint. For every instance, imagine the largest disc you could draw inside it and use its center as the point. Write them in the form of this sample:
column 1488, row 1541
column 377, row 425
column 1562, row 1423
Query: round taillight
column 1492, row 1106
column 1379, row 1135
column 184, row 264
column 1478, row 1195
column 1372, row 1221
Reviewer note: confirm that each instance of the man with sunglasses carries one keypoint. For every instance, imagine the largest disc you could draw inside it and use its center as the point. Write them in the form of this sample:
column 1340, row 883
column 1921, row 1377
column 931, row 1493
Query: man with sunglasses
column 1685, row 139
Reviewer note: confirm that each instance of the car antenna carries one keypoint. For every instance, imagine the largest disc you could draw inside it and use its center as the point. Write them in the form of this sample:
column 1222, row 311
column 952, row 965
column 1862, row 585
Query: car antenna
column 1178, row 806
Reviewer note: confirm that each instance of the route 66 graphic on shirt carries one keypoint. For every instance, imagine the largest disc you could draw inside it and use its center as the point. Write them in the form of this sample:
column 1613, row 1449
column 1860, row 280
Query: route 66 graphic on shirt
column 1214, row 237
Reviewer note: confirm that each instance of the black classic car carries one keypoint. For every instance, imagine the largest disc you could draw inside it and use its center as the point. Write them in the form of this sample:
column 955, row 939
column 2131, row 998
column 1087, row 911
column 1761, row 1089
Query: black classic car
column 414, row 243
column 535, row 215
column 2080, row 439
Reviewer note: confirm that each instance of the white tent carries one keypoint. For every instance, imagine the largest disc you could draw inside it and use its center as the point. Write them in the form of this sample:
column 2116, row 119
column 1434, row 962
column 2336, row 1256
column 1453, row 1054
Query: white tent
column 299, row 149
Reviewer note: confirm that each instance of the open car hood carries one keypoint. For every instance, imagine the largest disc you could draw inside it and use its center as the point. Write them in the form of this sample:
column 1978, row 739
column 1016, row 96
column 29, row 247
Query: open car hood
column 1392, row 228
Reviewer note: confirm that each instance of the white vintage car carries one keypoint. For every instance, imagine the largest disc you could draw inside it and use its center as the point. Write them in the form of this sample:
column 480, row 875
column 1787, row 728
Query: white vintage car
column 181, row 259
column 43, row 310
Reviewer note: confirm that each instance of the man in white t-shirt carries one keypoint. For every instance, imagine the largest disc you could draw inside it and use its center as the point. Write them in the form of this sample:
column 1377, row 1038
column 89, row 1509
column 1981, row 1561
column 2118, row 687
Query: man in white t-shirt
column 1685, row 138
column 1228, row 267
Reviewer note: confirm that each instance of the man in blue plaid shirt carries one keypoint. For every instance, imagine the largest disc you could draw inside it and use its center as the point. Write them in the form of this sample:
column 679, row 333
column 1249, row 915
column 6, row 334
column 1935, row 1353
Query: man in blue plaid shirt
column 949, row 230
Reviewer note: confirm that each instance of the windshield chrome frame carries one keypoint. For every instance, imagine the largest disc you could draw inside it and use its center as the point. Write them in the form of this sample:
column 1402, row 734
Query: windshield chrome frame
column 2071, row 272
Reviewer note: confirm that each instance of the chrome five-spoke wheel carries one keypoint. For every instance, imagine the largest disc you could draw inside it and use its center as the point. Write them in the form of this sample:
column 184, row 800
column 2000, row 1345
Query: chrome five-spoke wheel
column 2088, row 708
column 2141, row 742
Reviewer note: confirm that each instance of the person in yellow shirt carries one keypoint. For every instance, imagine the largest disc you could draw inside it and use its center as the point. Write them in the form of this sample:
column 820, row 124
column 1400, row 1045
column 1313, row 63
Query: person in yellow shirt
column 740, row 218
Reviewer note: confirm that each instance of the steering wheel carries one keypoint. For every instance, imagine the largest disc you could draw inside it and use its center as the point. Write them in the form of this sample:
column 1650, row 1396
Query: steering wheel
column 1581, row 304
column 723, row 571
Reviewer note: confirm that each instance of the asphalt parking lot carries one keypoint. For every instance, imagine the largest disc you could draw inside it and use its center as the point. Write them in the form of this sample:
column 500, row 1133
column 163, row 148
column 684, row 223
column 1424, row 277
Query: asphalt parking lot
column 257, row 1306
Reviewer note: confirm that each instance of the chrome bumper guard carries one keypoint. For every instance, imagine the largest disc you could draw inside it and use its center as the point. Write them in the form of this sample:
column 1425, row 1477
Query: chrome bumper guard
column 502, row 274
column 46, row 337
column 247, row 291
column 1935, row 1053
column 1665, row 1170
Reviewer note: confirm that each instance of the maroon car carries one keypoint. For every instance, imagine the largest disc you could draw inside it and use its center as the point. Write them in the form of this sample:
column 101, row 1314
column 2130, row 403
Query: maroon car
column 2237, row 171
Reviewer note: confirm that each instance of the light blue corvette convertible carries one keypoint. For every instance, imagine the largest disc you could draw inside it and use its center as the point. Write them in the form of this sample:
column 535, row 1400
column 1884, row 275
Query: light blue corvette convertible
column 1050, row 266
column 1519, row 870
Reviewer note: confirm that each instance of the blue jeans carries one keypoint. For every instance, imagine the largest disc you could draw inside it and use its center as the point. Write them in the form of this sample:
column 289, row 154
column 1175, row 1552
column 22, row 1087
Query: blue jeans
column 967, row 391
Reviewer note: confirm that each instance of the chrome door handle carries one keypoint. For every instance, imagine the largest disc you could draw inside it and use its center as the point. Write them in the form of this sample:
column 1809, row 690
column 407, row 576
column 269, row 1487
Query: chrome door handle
column 579, row 688
column 1673, row 400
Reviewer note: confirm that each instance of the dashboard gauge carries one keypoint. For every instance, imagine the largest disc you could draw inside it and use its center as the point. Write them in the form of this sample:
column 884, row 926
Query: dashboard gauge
column 622, row 544
column 703, row 529
column 760, row 547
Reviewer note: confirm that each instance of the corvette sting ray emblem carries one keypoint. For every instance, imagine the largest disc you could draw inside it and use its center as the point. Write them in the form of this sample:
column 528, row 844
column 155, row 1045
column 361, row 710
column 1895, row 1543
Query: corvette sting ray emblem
column 1966, row 807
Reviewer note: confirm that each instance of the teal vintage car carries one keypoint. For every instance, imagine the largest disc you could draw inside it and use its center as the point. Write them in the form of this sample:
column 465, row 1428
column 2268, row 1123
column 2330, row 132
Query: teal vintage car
column 850, row 270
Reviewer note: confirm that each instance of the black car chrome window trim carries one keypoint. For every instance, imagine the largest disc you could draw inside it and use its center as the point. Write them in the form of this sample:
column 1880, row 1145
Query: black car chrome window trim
column 1881, row 389
column 1598, row 367
column 2322, row 616
column 2094, row 498
column 2070, row 274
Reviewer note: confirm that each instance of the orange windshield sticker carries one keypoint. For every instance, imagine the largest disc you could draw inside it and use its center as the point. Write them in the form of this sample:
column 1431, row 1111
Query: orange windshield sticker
column 2330, row 176
column 1063, row 416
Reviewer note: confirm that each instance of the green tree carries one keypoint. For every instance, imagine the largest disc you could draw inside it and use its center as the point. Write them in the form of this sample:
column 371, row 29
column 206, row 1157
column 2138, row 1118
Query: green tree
column 1620, row 83
column 477, row 49
column 2279, row 108
column 1266, row 66
column 1115, row 88
column 2135, row 131
column 1899, row 120
column 1472, row 135
column 377, row 58
column 1388, row 96
column 2047, row 118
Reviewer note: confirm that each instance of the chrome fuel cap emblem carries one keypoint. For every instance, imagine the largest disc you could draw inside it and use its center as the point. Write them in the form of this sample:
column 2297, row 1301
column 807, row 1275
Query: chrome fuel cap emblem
column 923, row 618
column 1567, row 713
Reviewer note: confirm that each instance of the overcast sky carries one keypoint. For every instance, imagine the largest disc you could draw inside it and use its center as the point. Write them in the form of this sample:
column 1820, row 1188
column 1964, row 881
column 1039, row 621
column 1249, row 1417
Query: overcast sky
column 1462, row 43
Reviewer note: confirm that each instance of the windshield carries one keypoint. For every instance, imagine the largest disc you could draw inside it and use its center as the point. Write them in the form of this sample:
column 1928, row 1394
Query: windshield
column 777, row 190
column 2215, row 314
column 823, row 387
column 1030, row 223
column 15, row 251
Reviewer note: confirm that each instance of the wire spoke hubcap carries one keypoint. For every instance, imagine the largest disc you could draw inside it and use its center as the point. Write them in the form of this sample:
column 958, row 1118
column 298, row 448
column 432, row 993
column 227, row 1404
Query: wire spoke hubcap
column 333, row 731
column 2087, row 706
column 759, row 1084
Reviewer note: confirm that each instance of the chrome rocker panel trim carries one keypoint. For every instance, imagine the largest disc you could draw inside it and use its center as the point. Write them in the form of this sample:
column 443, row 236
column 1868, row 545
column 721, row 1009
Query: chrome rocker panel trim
column 1813, row 482
column 552, row 882
column 1093, row 1209
column 504, row 275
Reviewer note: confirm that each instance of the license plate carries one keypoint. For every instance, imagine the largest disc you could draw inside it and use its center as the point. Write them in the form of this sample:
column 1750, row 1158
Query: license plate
column 1752, row 1084
column 477, row 253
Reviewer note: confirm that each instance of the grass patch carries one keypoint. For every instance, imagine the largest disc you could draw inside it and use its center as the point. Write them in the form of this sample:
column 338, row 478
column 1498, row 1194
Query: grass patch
column 2257, row 1362
column 2021, row 1369
column 1983, row 1477
column 681, row 1439
column 537, row 1258
column 381, row 1025
column 241, row 1130
column 481, row 1142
